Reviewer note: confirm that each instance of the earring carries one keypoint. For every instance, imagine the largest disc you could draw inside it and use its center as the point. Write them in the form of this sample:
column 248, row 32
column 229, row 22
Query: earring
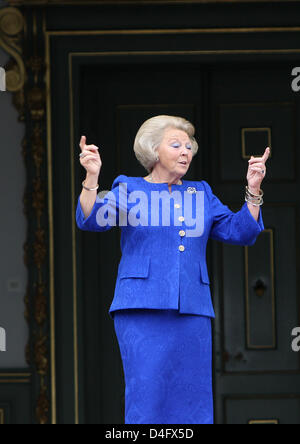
column 157, row 159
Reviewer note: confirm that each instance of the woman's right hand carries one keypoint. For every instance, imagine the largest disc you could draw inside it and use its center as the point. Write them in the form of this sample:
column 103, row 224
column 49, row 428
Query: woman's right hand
column 91, row 159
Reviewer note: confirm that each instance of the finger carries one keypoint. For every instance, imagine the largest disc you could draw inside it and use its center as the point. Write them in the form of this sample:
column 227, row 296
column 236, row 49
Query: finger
column 266, row 154
column 89, row 156
column 255, row 159
column 257, row 165
column 260, row 159
column 259, row 170
column 91, row 147
column 82, row 142
column 86, row 153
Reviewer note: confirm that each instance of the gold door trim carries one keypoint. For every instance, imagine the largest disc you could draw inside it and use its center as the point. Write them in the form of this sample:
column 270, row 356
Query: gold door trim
column 263, row 421
column 15, row 375
column 252, row 129
column 133, row 2
column 15, row 378
column 178, row 31
column 14, row 381
column 186, row 53
column 51, row 229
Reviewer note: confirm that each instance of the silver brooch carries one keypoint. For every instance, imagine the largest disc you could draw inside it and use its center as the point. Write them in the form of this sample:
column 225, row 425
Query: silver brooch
column 191, row 190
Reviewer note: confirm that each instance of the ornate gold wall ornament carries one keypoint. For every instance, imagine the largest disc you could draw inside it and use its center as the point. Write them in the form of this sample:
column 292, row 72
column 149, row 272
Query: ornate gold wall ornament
column 40, row 353
column 39, row 247
column 27, row 302
column 11, row 32
column 37, row 146
column 19, row 103
column 36, row 101
column 42, row 407
column 25, row 78
column 40, row 305
column 38, row 204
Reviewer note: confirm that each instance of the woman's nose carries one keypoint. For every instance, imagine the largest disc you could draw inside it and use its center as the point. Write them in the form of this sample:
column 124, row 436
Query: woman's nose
column 185, row 152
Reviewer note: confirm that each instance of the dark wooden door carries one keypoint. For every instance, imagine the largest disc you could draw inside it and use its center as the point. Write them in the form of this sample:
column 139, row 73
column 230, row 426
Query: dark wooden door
column 255, row 288
column 114, row 103
column 235, row 115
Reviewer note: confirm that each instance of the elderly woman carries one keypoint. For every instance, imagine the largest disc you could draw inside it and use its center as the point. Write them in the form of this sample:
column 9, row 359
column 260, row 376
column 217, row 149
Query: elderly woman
column 162, row 308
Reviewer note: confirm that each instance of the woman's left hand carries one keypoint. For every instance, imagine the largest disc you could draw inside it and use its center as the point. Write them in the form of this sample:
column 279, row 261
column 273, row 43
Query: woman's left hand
column 257, row 170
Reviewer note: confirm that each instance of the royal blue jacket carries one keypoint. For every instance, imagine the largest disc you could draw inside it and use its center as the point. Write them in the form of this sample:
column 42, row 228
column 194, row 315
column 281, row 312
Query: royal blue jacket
column 163, row 262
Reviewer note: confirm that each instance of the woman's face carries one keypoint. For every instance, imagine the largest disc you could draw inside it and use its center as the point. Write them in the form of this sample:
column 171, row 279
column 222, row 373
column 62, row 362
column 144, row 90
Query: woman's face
column 175, row 147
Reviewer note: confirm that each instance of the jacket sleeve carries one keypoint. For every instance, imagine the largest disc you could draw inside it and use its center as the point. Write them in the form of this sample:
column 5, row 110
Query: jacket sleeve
column 238, row 228
column 107, row 208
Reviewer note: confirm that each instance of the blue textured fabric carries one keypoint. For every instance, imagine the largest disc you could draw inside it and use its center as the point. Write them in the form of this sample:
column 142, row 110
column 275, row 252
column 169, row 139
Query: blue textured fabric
column 167, row 363
column 153, row 273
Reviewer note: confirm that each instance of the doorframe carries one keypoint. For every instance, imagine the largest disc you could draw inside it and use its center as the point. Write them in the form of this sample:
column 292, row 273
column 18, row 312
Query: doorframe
column 32, row 97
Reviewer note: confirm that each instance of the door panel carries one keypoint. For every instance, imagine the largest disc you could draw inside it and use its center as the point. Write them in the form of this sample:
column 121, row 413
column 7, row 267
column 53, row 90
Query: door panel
column 114, row 103
column 254, row 288
column 256, row 293
column 253, row 317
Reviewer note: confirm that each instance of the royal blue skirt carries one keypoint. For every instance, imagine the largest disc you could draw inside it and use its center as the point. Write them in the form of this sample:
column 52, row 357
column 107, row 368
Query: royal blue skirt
column 167, row 363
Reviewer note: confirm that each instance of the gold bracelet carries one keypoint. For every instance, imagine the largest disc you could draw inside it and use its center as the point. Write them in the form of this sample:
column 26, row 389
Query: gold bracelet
column 89, row 189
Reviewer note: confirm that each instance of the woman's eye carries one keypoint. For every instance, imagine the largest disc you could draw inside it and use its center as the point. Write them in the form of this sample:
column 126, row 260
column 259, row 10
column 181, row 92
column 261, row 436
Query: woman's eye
column 189, row 147
column 176, row 145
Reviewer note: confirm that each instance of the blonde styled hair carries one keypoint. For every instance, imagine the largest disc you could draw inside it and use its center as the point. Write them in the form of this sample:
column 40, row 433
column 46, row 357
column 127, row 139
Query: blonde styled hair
column 150, row 135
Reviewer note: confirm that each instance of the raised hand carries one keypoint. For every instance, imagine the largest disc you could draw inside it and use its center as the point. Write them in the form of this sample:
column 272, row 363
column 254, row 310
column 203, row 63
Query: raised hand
column 90, row 158
column 257, row 170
